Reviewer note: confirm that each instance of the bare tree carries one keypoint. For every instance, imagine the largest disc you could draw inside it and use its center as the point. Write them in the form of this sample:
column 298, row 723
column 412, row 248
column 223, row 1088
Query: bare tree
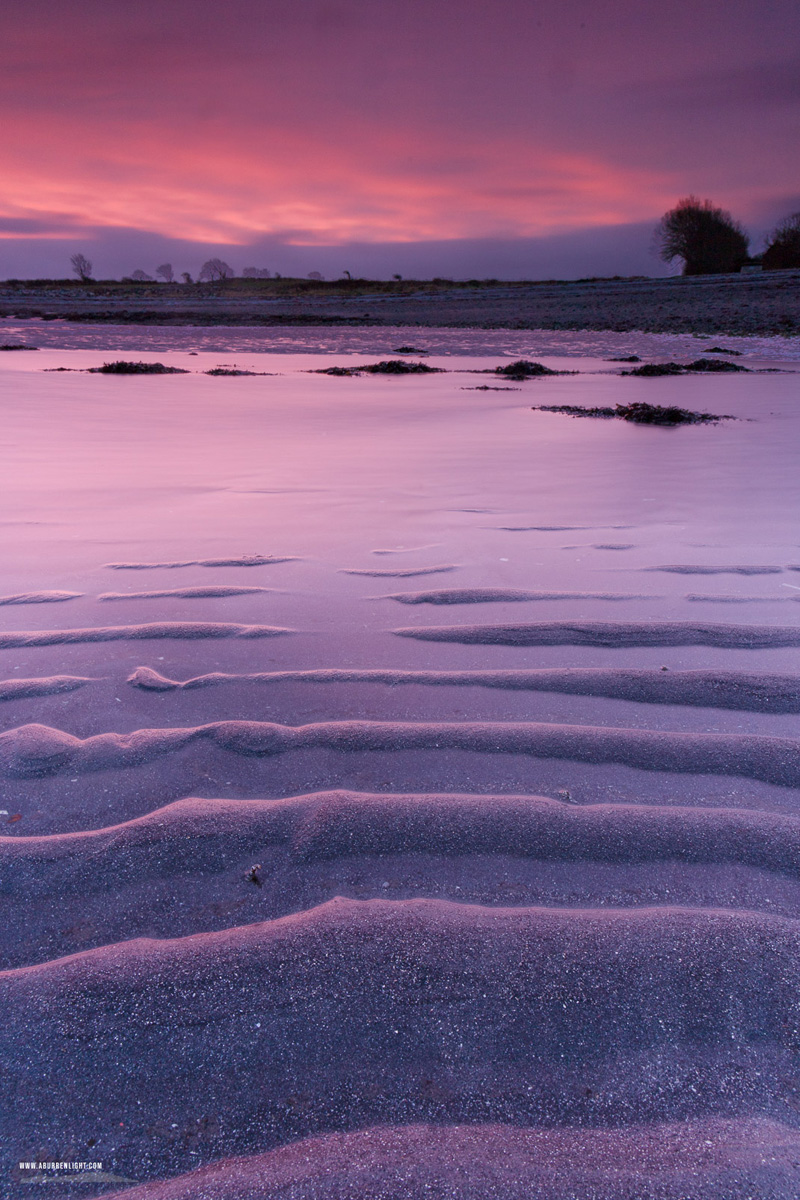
column 214, row 269
column 256, row 273
column 783, row 245
column 165, row 272
column 140, row 276
column 706, row 237
column 82, row 267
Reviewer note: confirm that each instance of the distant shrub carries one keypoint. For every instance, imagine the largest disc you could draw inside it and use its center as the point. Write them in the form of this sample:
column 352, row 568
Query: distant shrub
column 706, row 237
column 82, row 267
column 138, row 277
column 256, row 273
column 214, row 269
column 165, row 272
column 783, row 248
column 316, row 275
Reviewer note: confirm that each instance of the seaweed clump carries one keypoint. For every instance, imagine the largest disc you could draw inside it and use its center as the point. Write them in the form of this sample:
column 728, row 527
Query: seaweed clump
column 388, row 366
column 524, row 369
column 630, row 358
column 722, row 350
column 398, row 366
column 409, row 350
column 714, row 364
column 17, row 346
column 639, row 413
column 232, row 371
column 673, row 368
column 649, row 369
column 121, row 367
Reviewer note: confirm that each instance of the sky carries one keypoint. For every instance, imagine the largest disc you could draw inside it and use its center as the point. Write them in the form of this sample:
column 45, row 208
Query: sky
column 464, row 138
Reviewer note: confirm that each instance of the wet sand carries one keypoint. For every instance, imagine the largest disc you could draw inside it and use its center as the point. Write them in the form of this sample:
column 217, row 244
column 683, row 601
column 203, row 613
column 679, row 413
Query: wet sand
column 382, row 813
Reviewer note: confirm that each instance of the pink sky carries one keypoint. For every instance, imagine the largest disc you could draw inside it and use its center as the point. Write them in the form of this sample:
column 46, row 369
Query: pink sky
column 309, row 131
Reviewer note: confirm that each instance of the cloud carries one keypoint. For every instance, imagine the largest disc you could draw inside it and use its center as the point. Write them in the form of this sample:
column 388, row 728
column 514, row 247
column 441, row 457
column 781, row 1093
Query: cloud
column 346, row 122
column 623, row 249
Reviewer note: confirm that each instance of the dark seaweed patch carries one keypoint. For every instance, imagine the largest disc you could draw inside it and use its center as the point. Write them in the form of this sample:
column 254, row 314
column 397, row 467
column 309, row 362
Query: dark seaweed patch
column 523, row 368
column 121, row 367
column 639, row 414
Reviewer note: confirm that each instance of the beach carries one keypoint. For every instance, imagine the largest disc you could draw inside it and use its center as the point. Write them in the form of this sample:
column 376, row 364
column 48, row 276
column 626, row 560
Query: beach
column 399, row 781
column 756, row 304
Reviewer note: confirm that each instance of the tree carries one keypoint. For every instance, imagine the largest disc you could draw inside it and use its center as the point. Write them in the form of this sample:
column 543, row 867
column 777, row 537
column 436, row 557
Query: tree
column 783, row 245
column 186, row 277
column 707, row 238
column 141, row 277
column 166, row 272
column 213, row 269
column 82, row 267
column 315, row 275
column 256, row 273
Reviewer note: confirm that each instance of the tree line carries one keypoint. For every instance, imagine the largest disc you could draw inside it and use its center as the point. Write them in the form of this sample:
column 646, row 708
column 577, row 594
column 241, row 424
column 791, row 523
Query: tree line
column 213, row 270
column 709, row 241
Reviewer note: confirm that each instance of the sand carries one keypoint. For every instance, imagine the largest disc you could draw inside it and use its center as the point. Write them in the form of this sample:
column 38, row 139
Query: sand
column 401, row 824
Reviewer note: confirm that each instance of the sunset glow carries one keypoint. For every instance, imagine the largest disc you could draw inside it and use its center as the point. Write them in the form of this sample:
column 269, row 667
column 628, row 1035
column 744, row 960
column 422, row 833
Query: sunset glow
column 335, row 123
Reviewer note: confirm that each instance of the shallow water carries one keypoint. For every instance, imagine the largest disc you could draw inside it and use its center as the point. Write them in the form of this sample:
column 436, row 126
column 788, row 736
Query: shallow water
column 397, row 504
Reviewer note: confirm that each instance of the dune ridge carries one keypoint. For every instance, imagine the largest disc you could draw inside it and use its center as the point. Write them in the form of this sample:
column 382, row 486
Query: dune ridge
column 701, row 569
column 46, row 685
column 121, row 881
column 342, row 823
column 748, row 691
column 187, row 593
column 398, row 572
column 704, row 1159
column 611, row 634
column 182, row 630
column 36, row 751
column 332, row 1018
column 39, row 597
column 242, row 560
column 490, row 595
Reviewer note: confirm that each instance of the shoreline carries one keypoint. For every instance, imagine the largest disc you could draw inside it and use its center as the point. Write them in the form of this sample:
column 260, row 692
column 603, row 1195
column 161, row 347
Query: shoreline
column 734, row 305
